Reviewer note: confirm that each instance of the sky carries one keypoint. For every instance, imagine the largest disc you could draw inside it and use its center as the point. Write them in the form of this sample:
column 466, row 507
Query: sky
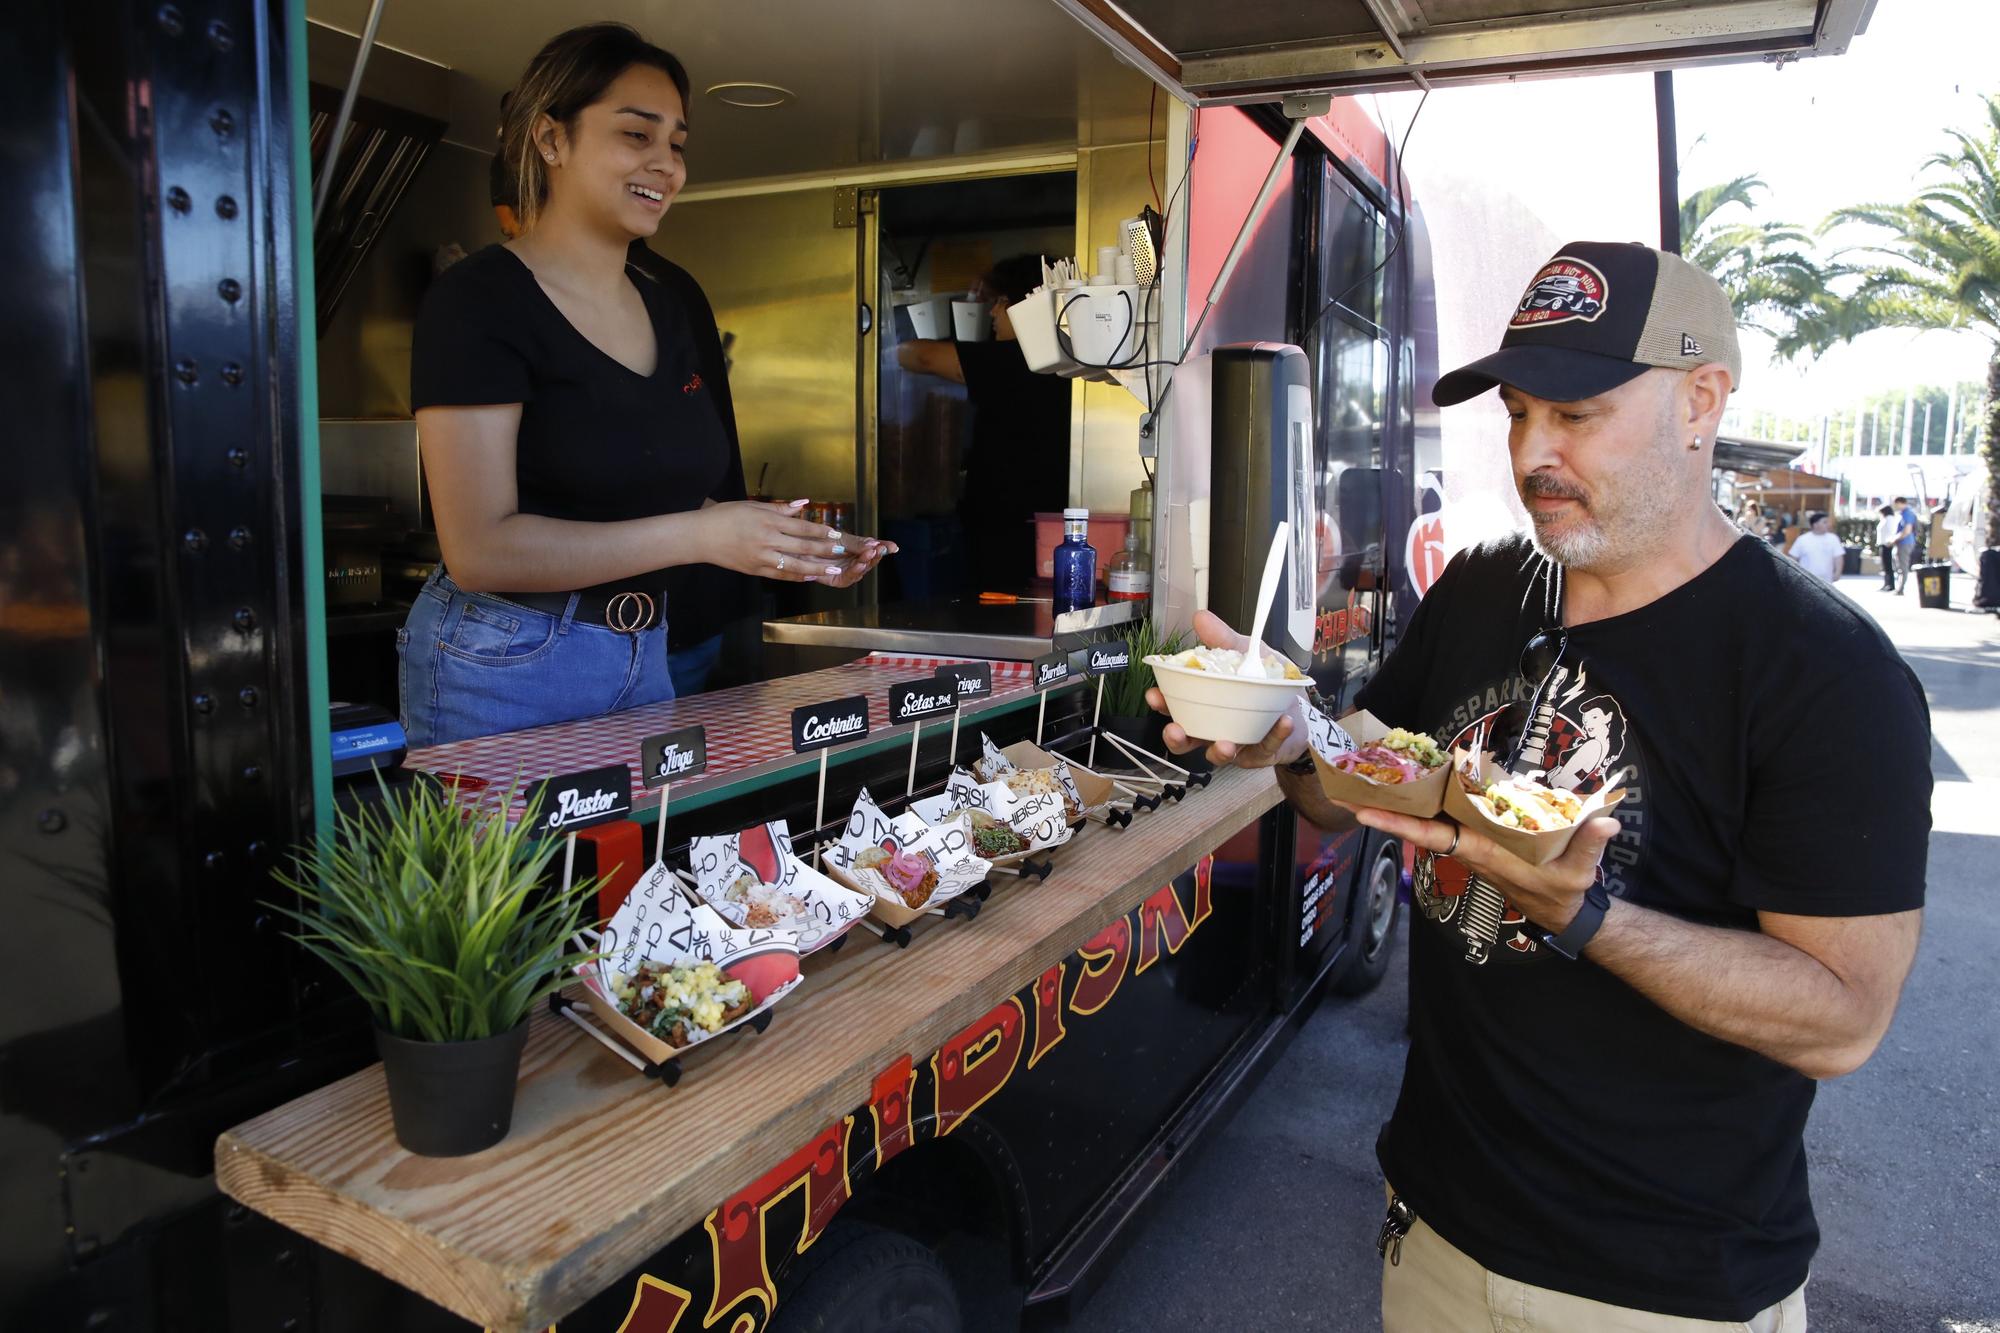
column 1822, row 133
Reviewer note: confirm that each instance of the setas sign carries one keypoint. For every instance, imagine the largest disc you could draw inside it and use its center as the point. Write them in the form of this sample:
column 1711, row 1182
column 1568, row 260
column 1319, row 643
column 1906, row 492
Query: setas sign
column 915, row 700
column 835, row 722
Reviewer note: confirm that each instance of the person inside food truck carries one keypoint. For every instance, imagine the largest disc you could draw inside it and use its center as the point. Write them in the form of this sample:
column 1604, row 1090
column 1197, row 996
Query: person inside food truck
column 575, row 451
column 1019, row 464
column 1612, row 1054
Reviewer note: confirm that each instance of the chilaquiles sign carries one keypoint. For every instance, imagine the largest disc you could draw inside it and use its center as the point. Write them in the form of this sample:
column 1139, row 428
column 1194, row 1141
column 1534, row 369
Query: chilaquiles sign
column 913, row 1102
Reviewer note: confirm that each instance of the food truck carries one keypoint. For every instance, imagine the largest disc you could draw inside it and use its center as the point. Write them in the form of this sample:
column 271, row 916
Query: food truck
column 217, row 515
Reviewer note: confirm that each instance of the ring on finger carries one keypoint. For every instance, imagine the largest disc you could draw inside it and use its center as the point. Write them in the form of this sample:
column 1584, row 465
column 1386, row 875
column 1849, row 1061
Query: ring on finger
column 781, row 564
column 1455, row 831
column 839, row 549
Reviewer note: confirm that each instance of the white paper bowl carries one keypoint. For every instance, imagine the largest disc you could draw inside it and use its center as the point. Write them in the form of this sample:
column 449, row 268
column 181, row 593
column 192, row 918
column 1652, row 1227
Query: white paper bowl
column 1214, row 706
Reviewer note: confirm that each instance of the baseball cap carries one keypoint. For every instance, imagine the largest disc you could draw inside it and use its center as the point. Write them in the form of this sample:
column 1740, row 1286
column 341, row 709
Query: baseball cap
column 1600, row 313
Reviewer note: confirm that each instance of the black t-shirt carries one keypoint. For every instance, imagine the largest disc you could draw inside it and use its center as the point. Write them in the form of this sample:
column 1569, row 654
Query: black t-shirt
column 1019, row 463
column 597, row 443
column 1555, row 1124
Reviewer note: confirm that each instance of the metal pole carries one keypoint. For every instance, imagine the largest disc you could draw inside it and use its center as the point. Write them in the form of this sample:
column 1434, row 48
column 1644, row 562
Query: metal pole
column 1671, row 239
column 346, row 107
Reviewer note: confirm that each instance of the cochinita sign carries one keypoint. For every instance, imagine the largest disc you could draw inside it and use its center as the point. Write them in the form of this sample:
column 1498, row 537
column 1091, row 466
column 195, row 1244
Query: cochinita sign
column 816, row 726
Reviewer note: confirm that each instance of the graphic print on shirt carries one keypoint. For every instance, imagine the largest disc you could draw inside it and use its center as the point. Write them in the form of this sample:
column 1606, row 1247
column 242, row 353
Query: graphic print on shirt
column 1580, row 742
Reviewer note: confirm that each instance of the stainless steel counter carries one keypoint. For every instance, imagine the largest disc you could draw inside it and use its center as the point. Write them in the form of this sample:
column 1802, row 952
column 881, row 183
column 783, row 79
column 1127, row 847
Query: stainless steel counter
column 949, row 627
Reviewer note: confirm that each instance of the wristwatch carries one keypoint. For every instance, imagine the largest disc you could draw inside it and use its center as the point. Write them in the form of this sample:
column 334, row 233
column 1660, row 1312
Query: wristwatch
column 1583, row 926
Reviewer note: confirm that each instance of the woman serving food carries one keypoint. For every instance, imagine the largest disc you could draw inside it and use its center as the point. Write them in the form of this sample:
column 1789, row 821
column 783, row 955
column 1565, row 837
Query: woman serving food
column 573, row 448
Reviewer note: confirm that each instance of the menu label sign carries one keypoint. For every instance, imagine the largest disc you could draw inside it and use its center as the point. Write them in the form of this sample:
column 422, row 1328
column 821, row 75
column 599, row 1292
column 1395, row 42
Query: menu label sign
column 673, row 756
column 915, row 700
column 561, row 805
column 1105, row 658
column 835, row 722
column 1051, row 670
column 973, row 680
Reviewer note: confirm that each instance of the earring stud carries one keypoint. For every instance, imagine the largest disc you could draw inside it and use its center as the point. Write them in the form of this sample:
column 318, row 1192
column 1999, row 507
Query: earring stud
column 1696, row 444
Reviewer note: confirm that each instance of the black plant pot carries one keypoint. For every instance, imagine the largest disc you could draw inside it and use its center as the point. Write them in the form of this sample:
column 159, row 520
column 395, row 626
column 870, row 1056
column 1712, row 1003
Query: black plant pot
column 1145, row 732
column 450, row 1098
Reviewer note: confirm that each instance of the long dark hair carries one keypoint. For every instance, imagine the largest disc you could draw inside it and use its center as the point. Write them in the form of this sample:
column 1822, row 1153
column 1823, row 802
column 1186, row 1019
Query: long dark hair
column 568, row 74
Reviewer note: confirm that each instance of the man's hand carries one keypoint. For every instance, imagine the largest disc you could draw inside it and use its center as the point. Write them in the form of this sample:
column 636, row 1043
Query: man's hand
column 1550, row 895
column 1286, row 740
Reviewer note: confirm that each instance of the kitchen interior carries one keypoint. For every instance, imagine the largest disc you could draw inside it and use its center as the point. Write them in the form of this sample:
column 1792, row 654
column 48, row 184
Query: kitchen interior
column 850, row 164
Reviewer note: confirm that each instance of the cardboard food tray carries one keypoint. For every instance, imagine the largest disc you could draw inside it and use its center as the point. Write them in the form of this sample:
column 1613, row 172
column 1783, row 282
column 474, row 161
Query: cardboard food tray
column 867, row 827
column 765, row 853
column 1423, row 798
column 1534, row 848
column 1094, row 791
column 655, row 924
column 1040, row 819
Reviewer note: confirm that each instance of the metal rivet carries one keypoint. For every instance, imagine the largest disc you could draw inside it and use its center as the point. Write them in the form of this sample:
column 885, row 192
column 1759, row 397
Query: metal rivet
column 170, row 21
column 195, row 539
column 214, row 861
column 179, row 200
column 232, row 374
column 237, row 456
column 225, row 208
column 236, row 1213
column 52, row 821
column 230, row 290
column 219, row 36
column 204, row 702
column 247, row 696
column 222, row 123
column 186, row 371
column 98, row 1319
column 283, row 1257
column 252, row 773
column 245, row 619
column 239, row 537
column 255, row 851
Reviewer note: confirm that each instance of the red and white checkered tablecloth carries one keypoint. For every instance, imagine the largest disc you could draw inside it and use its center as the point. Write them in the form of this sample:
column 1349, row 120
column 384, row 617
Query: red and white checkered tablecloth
column 746, row 726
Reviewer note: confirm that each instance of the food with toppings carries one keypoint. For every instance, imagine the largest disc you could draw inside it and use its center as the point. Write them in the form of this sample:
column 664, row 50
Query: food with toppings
column 1229, row 662
column 764, row 905
column 682, row 1003
column 912, row 877
column 1399, row 756
column 1039, row 782
column 873, row 859
column 1523, row 803
column 991, row 838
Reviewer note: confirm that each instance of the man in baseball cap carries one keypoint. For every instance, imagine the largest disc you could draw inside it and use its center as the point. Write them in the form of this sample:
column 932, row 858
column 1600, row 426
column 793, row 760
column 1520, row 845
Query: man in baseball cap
column 1613, row 1052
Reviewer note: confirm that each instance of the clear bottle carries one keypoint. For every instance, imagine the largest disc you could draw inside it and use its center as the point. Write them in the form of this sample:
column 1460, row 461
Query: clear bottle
column 1129, row 577
column 1075, row 564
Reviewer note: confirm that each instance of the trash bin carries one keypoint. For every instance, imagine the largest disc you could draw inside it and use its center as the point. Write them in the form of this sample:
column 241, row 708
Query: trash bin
column 1934, row 584
column 1850, row 560
column 1989, row 579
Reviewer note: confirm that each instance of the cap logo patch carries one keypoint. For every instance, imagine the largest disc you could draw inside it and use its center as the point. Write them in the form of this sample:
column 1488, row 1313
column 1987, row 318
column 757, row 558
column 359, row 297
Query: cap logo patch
column 1565, row 289
column 1689, row 347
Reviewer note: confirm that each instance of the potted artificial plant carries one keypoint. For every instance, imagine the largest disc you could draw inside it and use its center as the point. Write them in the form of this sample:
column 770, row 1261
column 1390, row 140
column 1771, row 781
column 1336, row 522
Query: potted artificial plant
column 439, row 921
column 1126, row 713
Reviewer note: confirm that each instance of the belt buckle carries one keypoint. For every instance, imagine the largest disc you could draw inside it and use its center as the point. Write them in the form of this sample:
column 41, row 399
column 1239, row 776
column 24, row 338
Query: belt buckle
column 629, row 612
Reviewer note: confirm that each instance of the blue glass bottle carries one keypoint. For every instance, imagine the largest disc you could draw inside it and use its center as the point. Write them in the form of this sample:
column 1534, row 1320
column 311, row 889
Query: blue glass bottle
column 1075, row 564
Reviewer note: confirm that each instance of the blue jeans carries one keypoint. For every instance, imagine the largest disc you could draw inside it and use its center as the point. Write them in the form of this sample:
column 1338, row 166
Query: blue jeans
column 474, row 665
column 691, row 666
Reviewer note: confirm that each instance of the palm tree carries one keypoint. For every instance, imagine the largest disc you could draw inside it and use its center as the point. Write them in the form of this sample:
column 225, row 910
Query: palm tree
column 1767, row 268
column 1935, row 264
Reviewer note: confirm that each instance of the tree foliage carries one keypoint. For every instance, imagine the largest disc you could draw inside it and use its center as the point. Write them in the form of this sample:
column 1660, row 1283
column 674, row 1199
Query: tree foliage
column 1769, row 269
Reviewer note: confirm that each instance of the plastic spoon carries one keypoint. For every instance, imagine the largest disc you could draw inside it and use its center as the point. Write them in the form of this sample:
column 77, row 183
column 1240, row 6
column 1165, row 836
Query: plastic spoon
column 1274, row 565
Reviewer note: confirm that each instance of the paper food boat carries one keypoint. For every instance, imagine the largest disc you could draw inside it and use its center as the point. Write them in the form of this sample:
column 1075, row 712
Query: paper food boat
column 763, row 855
column 1087, row 789
column 1038, row 817
column 1423, row 798
column 655, row 924
column 1534, row 848
column 868, row 829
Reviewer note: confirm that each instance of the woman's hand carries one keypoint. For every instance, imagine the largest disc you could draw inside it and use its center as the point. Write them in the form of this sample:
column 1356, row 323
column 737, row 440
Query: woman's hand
column 1286, row 740
column 771, row 541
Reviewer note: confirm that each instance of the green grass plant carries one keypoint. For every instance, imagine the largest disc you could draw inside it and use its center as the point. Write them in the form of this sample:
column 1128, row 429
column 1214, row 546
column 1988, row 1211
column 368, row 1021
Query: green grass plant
column 435, row 915
column 1125, row 691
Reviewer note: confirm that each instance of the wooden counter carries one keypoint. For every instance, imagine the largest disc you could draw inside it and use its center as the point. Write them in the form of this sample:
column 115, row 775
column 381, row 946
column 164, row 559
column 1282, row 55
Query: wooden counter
column 518, row 1236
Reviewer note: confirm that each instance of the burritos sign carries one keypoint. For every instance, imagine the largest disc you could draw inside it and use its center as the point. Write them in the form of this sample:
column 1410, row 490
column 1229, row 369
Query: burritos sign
column 915, row 700
column 1104, row 658
column 563, row 804
column 972, row 680
column 1051, row 670
column 672, row 756
column 835, row 722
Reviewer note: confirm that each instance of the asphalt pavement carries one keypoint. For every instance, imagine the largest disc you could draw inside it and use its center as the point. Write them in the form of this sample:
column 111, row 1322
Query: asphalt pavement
column 1271, row 1224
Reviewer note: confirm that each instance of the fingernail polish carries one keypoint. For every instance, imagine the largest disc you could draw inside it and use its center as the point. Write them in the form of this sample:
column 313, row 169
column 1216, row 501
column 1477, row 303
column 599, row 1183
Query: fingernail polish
column 800, row 504
column 834, row 570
